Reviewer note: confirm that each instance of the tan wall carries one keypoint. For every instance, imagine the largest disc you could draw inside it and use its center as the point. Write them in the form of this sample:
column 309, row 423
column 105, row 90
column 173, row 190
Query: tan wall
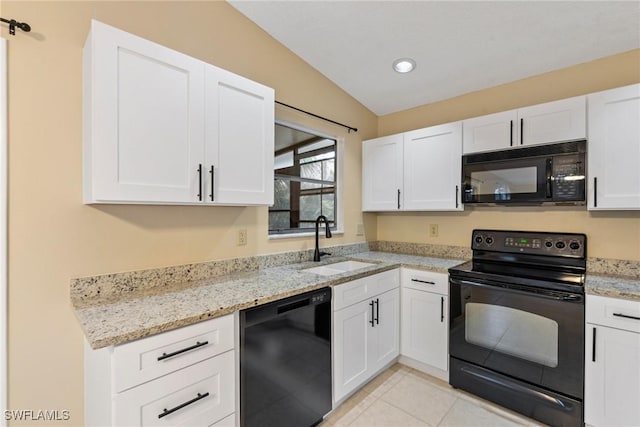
column 610, row 234
column 53, row 237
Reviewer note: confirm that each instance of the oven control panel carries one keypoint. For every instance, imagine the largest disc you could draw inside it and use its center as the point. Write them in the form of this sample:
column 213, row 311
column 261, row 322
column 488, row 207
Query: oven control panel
column 555, row 244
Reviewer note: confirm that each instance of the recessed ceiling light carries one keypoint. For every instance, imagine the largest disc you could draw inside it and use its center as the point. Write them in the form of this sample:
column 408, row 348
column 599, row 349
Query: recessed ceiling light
column 404, row 65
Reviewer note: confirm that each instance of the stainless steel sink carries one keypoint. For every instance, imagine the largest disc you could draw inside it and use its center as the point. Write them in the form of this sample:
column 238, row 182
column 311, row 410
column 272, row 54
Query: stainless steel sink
column 338, row 268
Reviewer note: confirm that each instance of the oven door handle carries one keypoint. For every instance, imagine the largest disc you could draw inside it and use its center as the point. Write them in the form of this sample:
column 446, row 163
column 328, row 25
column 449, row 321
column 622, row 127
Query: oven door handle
column 542, row 293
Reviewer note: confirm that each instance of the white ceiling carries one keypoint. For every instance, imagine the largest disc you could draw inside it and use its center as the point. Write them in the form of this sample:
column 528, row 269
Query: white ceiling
column 459, row 46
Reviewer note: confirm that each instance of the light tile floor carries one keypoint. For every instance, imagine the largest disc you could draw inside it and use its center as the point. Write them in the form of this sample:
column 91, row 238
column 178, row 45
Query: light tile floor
column 404, row 397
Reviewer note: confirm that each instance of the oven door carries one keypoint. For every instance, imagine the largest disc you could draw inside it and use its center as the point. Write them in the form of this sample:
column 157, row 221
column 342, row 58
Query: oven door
column 534, row 336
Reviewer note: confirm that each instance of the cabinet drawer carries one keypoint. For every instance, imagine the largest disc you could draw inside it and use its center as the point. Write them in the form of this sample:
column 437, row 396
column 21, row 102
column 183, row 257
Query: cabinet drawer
column 148, row 358
column 358, row 290
column 613, row 312
column 425, row 281
column 200, row 395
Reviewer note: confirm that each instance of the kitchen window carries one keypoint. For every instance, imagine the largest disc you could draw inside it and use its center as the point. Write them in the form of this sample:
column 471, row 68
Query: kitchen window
column 305, row 184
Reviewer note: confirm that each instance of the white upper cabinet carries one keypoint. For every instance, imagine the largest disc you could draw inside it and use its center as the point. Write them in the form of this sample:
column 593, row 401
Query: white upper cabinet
column 153, row 127
column 433, row 168
column 551, row 122
column 556, row 121
column 614, row 149
column 239, row 139
column 143, row 120
column 491, row 132
column 413, row 171
column 382, row 173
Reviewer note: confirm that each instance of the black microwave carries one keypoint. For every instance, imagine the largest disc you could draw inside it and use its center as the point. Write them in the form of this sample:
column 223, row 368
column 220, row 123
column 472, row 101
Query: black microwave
column 543, row 174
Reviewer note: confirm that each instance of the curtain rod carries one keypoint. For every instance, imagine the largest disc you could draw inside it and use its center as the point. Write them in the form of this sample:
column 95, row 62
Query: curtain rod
column 350, row 128
column 13, row 24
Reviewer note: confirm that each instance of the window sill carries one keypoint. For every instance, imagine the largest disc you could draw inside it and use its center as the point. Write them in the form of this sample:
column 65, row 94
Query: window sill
column 305, row 234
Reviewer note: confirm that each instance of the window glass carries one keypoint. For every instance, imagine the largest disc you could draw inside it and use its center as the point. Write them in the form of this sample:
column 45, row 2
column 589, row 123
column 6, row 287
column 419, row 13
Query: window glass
column 305, row 181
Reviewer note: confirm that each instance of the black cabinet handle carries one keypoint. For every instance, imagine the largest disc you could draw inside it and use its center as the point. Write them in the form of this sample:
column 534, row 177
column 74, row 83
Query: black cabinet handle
column 377, row 311
column 549, row 177
column 398, row 198
column 200, row 182
column 511, row 133
column 626, row 316
column 184, row 350
column 593, row 346
column 423, row 281
column 211, row 172
column 441, row 309
column 457, row 190
column 521, row 131
column 182, row 405
column 595, row 192
column 372, row 317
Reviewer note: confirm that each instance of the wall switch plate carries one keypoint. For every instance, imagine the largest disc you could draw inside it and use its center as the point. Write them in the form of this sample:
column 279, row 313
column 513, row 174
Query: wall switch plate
column 433, row 230
column 360, row 230
column 242, row 237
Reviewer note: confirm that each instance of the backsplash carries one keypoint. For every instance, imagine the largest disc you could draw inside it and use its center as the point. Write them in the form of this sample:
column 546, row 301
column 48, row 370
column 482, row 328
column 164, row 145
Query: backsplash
column 108, row 288
column 422, row 249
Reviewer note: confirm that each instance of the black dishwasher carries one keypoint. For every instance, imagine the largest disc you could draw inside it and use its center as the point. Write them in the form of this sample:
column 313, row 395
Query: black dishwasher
column 285, row 361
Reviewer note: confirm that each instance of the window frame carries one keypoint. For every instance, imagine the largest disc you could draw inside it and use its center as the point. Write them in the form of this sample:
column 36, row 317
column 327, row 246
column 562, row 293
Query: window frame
column 337, row 227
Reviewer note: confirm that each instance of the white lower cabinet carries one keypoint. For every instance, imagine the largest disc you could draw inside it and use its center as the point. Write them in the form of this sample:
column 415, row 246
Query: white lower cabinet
column 612, row 365
column 366, row 332
column 185, row 377
column 425, row 321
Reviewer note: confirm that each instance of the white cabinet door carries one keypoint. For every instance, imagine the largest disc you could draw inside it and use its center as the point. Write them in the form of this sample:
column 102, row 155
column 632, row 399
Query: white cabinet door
column 239, row 140
column 614, row 149
column 143, row 120
column 351, row 341
column 386, row 329
column 382, row 174
column 433, row 168
column 425, row 327
column 556, row 121
column 491, row 132
column 612, row 381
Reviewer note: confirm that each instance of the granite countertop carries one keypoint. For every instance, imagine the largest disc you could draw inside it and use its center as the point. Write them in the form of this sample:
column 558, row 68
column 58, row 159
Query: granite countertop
column 609, row 286
column 117, row 322
column 112, row 311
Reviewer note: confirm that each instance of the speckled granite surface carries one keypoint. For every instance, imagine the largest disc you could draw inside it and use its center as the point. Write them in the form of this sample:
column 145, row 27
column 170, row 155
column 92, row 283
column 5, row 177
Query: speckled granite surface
column 116, row 308
column 617, row 287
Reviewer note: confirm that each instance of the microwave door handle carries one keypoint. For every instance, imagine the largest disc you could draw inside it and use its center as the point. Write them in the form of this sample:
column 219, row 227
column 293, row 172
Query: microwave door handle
column 549, row 178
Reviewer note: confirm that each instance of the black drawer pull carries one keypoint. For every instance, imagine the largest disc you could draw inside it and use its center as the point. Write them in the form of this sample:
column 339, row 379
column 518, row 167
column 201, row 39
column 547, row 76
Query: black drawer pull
column 166, row 411
column 423, row 281
column 441, row 309
column 626, row 316
column 200, row 182
column 593, row 346
column 377, row 311
column 372, row 321
column 184, row 350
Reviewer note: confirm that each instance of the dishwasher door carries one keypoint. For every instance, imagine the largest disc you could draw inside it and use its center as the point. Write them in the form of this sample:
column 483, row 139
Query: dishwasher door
column 285, row 361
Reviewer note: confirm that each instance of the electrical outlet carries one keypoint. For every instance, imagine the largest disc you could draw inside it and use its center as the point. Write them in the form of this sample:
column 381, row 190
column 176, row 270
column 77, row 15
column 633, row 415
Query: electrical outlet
column 360, row 230
column 433, row 230
column 242, row 237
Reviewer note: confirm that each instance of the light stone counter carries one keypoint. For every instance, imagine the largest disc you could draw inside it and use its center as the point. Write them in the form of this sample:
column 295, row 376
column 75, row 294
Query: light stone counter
column 616, row 287
column 158, row 310
column 116, row 308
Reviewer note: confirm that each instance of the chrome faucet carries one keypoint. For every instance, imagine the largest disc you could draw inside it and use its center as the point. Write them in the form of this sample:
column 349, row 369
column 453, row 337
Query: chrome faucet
column 317, row 254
